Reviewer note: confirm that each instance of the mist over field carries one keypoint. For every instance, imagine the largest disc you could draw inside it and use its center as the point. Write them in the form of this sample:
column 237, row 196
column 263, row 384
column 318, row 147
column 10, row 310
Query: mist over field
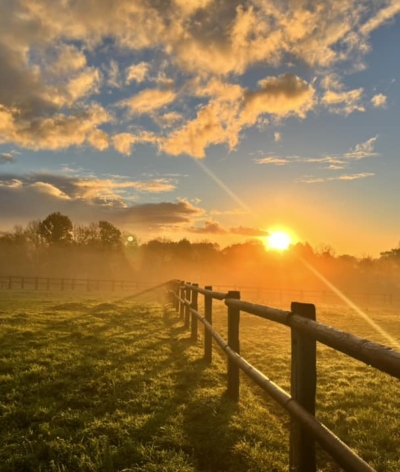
column 54, row 247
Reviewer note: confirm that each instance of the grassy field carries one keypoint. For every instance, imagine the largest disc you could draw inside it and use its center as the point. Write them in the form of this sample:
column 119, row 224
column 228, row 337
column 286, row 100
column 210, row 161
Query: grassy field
column 108, row 384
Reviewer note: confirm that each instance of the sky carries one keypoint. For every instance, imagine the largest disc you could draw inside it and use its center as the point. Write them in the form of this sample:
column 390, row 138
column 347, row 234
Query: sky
column 211, row 120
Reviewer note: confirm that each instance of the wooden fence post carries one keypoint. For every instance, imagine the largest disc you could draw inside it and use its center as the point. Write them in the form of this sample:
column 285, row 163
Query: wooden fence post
column 187, row 295
column 36, row 283
column 194, row 306
column 47, row 284
column 170, row 293
column 303, row 391
column 181, row 304
column 207, row 334
column 178, row 282
column 9, row 283
column 233, row 342
column 22, row 282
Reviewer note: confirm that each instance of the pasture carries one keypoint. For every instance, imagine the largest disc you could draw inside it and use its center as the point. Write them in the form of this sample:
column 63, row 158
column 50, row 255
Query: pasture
column 100, row 383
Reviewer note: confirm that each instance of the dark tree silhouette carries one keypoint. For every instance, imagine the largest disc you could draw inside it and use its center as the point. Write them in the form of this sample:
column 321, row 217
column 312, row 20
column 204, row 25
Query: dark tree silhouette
column 56, row 229
column 87, row 235
column 392, row 255
column 110, row 236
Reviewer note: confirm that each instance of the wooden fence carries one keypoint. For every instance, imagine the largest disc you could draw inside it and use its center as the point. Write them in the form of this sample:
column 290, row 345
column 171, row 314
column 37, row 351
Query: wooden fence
column 71, row 284
column 281, row 296
column 264, row 295
column 305, row 428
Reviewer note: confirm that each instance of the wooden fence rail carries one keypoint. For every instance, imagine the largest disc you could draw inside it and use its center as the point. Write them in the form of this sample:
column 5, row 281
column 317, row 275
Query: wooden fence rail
column 305, row 428
column 265, row 295
column 70, row 284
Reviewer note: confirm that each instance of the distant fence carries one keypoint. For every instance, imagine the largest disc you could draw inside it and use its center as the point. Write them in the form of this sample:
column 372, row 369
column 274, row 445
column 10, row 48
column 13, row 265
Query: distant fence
column 305, row 428
column 265, row 295
column 71, row 284
column 280, row 296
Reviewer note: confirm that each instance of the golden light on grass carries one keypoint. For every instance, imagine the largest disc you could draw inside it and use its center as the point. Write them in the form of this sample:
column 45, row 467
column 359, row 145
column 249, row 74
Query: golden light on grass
column 278, row 240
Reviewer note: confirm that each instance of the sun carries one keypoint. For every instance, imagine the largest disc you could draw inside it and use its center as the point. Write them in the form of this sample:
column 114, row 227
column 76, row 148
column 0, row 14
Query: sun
column 278, row 240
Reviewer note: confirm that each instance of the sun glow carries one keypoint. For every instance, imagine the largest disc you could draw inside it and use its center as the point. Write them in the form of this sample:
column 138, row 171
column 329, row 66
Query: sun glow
column 278, row 240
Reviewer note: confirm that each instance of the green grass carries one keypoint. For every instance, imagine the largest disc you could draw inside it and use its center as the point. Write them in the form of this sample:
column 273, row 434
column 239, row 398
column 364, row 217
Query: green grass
column 357, row 402
column 90, row 384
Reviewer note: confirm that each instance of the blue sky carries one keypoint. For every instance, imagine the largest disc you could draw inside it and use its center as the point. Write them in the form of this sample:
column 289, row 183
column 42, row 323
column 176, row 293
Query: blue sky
column 204, row 119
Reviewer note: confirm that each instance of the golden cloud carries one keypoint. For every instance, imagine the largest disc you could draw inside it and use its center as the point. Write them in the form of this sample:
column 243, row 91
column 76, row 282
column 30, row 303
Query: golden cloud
column 232, row 108
column 68, row 59
column 137, row 72
column 58, row 131
column 86, row 83
column 148, row 100
column 281, row 96
column 379, row 100
column 123, row 142
column 210, row 227
column 47, row 87
column 88, row 199
column 99, row 139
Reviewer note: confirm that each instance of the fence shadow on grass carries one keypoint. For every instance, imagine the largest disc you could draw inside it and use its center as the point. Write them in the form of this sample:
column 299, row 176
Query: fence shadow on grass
column 201, row 401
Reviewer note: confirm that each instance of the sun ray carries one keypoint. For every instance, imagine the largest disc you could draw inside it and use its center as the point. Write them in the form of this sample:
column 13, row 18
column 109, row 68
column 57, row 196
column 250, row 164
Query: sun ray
column 353, row 306
column 224, row 187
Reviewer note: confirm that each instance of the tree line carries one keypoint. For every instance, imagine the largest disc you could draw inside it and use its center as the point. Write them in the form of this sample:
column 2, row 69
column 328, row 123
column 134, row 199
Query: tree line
column 55, row 246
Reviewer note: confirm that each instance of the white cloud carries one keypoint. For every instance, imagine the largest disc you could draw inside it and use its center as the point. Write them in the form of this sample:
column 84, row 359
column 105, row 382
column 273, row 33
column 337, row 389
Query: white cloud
column 282, row 160
column 344, row 177
column 278, row 161
column 333, row 163
column 7, row 158
column 362, row 150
